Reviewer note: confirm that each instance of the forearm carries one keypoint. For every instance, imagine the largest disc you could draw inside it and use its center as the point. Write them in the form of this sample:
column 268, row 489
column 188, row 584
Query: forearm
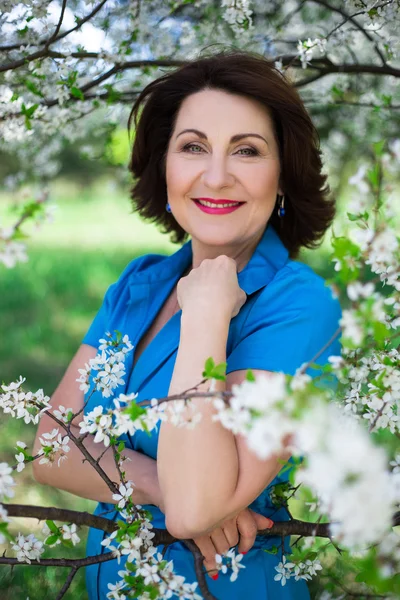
column 80, row 478
column 205, row 458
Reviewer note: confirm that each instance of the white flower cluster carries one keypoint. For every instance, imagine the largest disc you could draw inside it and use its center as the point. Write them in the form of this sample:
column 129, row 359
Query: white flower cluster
column 68, row 532
column 343, row 466
column 21, row 405
column 6, row 481
column 236, row 12
column 11, row 251
column 111, row 366
column 28, row 548
column 53, row 446
column 229, row 560
column 306, row 49
column 150, row 566
column 20, row 457
column 124, row 423
column 125, row 492
column 267, row 399
column 129, row 545
column 363, row 399
column 95, row 422
column 302, row 570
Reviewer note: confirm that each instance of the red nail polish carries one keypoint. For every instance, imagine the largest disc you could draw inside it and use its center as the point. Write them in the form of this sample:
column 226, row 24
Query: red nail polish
column 244, row 552
column 215, row 577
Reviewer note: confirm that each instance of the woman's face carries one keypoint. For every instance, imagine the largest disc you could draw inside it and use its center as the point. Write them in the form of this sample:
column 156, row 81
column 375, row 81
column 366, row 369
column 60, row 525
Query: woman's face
column 208, row 164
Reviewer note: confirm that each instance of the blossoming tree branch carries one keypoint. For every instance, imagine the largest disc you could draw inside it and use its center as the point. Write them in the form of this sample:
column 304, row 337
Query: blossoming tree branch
column 64, row 62
column 352, row 482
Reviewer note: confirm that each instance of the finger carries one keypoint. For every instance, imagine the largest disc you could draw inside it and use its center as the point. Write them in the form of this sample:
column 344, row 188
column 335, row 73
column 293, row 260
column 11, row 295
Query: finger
column 247, row 528
column 208, row 550
column 231, row 532
column 220, row 541
column 262, row 522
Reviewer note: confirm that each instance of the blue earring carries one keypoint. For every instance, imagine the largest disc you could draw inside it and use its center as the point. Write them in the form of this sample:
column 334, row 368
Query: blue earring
column 168, row 207
column 281, row 209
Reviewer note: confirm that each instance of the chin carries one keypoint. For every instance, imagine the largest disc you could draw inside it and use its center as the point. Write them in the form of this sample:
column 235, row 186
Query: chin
column 215, row 236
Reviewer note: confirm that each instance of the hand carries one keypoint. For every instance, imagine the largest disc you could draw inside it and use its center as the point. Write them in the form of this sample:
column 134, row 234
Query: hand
column 212, row 287
column 246, row 524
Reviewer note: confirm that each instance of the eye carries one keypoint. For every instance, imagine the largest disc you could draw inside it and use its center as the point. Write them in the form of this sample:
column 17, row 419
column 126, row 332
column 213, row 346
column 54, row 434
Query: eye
column 252, row 151
column 187, row 146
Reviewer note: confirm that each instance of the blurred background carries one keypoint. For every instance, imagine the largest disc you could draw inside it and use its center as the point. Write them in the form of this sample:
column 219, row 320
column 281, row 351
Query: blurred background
column 48, row 302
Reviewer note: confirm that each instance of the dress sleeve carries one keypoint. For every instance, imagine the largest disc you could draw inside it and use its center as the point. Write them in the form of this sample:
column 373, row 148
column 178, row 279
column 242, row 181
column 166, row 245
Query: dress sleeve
column 115, row 294
column 292, row 319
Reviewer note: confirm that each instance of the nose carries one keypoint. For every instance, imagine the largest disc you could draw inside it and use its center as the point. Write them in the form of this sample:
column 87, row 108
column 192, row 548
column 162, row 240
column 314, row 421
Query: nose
column 216, row 174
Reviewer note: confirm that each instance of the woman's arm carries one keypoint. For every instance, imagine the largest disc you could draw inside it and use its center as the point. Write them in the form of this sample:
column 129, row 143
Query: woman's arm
column 197, row 468
column 207, row 474
column 78, row 477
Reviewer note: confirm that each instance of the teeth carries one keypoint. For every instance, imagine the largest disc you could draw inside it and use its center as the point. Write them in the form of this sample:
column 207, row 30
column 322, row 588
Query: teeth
column 204, row 203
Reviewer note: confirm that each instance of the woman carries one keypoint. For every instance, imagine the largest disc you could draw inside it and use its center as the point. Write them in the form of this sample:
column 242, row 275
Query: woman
column 225, row 129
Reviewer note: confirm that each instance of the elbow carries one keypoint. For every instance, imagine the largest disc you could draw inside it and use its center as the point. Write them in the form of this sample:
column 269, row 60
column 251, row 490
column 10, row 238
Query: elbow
column 186, row 524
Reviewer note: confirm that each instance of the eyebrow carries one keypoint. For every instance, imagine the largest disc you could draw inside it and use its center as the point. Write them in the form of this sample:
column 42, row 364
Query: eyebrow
column 234, row 138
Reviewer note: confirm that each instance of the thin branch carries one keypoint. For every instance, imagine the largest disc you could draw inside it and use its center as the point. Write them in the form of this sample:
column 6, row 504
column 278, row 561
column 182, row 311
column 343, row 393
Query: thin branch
column 60, row 514
column 362, row 104
column 67, row 583
column 54, row 36
column 60, row 562
column 352, row 19
column 198, row 564
column 61, row 35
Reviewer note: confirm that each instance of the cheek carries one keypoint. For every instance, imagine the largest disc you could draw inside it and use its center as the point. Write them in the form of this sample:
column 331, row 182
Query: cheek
column 177, row 178
column 264, row 182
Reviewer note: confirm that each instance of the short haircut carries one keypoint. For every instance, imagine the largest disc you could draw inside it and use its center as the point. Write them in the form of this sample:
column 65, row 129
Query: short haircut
column 309, row 209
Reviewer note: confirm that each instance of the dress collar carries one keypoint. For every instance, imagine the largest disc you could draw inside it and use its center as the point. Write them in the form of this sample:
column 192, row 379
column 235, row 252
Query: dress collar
column 269, row 256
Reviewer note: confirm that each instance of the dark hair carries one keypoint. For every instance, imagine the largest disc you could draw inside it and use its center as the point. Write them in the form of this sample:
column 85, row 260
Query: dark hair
column 308, row 209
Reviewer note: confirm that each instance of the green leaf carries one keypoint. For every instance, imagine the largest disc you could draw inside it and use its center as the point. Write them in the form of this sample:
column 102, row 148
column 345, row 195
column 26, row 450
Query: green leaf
column 273, row 550
column 379, row 146
column 52, row 540
column 352, row 217
column 250, row 375
column 77, row 93
column 33, row 88
column 213, row 371
column 52, row 526
column 373, row 175
column 4, row 531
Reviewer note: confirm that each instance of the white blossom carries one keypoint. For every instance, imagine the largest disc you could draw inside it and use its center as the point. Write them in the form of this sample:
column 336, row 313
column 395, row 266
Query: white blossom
column 28, row 548
column 53, row 446
column 6, row 481
column 69, row 533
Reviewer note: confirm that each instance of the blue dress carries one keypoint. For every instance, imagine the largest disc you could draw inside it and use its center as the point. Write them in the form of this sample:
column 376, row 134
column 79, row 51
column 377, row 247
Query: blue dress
column 289, row 315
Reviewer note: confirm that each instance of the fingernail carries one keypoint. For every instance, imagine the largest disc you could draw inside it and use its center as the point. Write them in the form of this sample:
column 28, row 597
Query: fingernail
column 215, row 576
column 244, row 552
column 271, row 524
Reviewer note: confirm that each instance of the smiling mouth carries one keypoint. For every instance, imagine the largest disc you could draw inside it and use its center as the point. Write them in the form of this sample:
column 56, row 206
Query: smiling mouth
column 217, row 204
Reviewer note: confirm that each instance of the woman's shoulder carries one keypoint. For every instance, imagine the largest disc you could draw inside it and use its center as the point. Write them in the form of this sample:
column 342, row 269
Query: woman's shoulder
column 141, row 263
column 296, row 286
